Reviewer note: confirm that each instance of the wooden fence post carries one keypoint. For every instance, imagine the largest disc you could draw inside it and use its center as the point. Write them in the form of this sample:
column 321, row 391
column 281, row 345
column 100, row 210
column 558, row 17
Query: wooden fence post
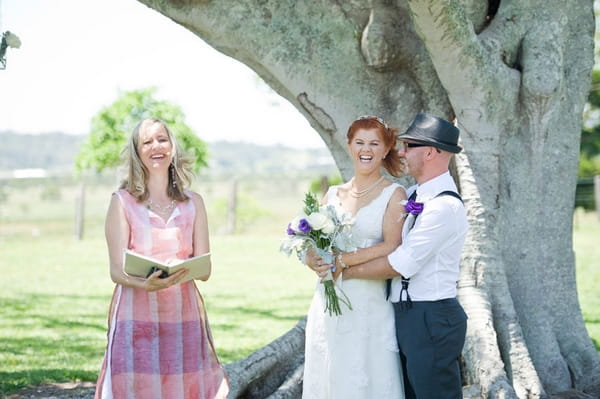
column 79, row 212
column 232, row 209
column 324, row 184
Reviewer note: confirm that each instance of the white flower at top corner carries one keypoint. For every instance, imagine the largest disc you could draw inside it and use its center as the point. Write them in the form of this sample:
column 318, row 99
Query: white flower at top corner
column 12, row 40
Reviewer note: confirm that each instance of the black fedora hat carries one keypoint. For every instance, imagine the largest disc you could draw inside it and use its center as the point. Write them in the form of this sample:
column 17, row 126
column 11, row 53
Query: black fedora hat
column 433, row 131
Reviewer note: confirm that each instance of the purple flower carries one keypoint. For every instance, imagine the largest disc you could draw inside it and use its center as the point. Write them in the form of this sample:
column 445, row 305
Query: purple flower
column 289, row 230
column 303, row 226
column 414, row 207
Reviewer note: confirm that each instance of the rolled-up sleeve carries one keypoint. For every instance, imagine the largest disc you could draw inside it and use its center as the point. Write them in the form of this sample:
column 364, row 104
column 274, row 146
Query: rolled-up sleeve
column 432, row 228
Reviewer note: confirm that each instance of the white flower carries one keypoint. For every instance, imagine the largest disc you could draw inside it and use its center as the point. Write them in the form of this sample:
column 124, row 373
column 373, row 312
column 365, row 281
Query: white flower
column 317, row 220
column 321, row 221
column 12, row 40
column 329, row 227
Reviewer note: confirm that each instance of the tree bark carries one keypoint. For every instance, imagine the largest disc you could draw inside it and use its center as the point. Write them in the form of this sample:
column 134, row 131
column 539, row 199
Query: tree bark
column 515, row 74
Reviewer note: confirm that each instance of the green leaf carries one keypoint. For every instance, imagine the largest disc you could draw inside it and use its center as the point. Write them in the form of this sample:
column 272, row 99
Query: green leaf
column 111, row 127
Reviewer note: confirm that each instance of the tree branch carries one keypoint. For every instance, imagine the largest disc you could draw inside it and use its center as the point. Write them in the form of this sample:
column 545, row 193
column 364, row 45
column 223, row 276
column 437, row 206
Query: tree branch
column 275, row 369
column 464, row 66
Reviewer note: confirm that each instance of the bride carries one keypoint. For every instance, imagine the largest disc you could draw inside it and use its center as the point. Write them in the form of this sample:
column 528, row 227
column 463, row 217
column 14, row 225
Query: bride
column 355, row 355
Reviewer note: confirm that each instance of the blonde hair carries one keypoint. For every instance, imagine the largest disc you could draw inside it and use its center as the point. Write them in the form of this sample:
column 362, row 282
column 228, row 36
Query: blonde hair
column 180, row 169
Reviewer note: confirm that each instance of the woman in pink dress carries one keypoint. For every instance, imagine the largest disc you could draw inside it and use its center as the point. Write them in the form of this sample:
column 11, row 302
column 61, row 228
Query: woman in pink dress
column 159, row 340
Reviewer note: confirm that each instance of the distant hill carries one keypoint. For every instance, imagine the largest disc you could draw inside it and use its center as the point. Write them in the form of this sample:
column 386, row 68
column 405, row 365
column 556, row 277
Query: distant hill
column 56, row 153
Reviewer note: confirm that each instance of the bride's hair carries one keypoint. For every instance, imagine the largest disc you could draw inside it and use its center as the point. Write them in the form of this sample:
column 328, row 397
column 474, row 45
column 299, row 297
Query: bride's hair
column 388, row 134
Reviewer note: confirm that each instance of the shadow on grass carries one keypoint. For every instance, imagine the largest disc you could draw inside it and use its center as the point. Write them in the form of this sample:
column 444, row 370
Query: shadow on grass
column 66, row 347
column 54, row 312
column 50, row 338
column 11, row 382
column 273, row 314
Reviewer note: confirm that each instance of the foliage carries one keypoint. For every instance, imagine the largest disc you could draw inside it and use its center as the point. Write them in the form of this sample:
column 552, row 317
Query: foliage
column 589, row 165
column 8, row 40
column 248, row 212
column 111, row 127
column 50, row 192
column 584, row 194
column 316, row 185
column 589, row 159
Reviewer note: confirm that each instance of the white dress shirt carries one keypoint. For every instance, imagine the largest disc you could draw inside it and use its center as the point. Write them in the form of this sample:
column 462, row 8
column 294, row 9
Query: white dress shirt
column 431, row 250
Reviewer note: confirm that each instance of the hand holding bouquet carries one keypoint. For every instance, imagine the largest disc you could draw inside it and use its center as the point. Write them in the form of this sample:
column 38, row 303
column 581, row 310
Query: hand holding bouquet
column 325, row 230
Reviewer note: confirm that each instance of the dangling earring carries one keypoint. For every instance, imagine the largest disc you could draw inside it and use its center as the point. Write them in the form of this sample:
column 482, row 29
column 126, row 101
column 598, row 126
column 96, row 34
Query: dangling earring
column 173, row 181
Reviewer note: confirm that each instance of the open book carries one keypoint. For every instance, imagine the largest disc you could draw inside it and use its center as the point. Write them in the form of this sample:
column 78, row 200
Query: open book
column 138, row 265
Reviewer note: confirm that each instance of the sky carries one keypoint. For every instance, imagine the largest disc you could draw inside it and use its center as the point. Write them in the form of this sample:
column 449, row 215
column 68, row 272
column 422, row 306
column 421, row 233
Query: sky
column 77, row 56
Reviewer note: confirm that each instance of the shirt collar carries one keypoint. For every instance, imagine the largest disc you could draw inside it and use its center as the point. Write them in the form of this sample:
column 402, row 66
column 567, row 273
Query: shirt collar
column 433, row 187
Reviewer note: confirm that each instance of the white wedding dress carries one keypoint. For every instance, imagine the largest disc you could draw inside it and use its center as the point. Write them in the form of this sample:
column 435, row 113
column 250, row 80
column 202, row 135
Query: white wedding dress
column 354, row 355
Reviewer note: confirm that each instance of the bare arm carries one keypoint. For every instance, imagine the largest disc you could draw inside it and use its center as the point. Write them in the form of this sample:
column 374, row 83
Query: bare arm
column 117, row 232
column 201, row 238
column 376, row 269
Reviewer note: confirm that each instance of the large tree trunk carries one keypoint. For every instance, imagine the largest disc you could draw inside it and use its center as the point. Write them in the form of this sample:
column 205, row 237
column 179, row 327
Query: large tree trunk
column 515, row 74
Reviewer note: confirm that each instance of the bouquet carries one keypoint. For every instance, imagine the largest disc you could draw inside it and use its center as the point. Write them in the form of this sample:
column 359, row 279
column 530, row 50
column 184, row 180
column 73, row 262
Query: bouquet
column 326, row 231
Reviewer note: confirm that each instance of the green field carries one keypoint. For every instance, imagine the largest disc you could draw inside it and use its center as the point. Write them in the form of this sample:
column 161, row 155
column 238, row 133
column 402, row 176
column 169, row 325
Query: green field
column 55, row 290
column 586, row 242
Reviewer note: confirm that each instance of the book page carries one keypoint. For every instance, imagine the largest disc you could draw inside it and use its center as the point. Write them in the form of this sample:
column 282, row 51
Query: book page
column 139, row 265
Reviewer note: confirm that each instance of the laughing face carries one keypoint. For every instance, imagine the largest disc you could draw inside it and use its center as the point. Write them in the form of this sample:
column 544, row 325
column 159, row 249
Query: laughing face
column 367, row 150
column 155, row 147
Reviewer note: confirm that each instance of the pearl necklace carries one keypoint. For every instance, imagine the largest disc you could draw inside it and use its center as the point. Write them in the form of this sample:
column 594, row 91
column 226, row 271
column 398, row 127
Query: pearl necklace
column 362, row 193
column 163, row 210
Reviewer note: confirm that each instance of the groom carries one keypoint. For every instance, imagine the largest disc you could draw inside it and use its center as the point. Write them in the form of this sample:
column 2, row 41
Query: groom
column 430, row 323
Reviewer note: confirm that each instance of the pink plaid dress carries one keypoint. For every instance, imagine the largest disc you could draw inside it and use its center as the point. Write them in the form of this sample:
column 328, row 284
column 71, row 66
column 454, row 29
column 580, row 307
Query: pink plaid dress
column 159, row 343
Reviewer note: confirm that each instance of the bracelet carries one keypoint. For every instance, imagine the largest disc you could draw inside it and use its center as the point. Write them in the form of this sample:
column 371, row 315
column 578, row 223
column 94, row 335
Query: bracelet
column 342, row 264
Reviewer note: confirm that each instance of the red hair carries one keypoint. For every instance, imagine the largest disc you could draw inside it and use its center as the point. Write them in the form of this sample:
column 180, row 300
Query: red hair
column 391, row 162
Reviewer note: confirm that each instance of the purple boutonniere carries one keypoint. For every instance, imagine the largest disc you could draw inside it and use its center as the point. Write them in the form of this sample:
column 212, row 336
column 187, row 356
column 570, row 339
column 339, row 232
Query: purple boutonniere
column 414, row 207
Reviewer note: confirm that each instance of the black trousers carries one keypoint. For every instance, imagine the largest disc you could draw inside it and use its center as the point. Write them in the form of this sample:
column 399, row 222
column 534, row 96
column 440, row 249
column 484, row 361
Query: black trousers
column 431, row 336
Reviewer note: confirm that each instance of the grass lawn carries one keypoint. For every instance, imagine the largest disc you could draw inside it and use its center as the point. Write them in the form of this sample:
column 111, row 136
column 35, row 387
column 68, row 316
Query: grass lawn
column 55, row 290
column 586, row 242
column 54, row 325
